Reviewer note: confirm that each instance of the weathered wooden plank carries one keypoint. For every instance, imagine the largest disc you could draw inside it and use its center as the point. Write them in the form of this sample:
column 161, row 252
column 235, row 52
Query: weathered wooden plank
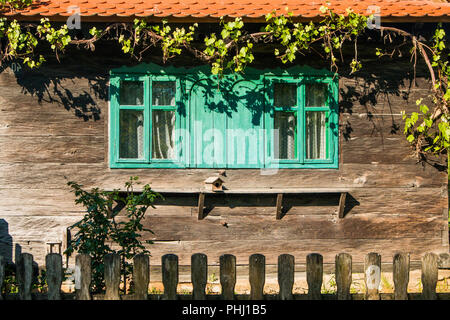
column 66, row 149
column 372, row 275
column 54, row 274
column 257, row 275
column 429, row 276
column 30, row 175
column 112, row 276
column 401, row 276
column 286, row 266
column 141, row 276
column 227, row 275
column 169, row 264
column 83, row 276
column 199, row 275
column 341, row 206
column 293, row 226
column 314, row 275
column 24, row 272
column 279, row 206
column 343, row 272
column 272, row 249
column 201, row 206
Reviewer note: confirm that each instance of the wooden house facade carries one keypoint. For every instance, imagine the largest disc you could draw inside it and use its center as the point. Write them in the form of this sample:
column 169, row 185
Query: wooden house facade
column 338, row 175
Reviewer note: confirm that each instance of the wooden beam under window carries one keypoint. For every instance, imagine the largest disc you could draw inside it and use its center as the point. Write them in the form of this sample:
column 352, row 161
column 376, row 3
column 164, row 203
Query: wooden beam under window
column 279, row 214
column 342, row 205
column 201, row 205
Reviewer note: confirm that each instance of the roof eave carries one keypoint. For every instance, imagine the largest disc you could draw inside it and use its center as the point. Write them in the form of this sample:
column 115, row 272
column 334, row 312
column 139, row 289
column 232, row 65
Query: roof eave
column 191, row 19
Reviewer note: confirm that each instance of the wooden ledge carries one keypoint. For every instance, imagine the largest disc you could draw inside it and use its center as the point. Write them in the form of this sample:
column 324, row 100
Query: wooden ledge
column 278, row 191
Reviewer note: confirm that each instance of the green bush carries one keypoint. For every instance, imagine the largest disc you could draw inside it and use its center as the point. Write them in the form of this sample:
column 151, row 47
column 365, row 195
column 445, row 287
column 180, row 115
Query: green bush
column 100, row 232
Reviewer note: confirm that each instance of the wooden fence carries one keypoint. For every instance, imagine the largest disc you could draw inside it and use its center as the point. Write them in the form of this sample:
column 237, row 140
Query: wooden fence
column 199, row 272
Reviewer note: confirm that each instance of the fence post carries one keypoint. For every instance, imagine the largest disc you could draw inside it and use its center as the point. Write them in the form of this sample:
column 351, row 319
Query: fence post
column 112, row 276
column 169, row 263
column 314, row 275
column 54, row 274
column 2, row 274
column 257, row 276
column 83, row 276
column 429, row 276
column 372, row 276
column 199, row 275
column 286, row 276
column 343, row 272
column 227, row 276
column 25, row 275
column 141, row 276
column 401, row 276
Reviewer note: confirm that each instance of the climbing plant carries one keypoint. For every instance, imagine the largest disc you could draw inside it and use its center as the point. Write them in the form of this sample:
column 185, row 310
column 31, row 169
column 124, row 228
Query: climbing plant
column 231, row 49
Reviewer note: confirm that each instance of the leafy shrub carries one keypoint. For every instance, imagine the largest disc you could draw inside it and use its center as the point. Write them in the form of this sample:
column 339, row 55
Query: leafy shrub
column 100, row 232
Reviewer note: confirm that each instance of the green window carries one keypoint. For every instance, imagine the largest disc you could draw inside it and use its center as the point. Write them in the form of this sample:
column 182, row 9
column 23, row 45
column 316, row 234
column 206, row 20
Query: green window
column 147, row 122
column 302, row 121
column 187, row 118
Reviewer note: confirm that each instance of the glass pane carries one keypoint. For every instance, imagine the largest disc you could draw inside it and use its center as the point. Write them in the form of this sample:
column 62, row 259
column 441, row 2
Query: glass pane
column 316, row 94
column 285, row 126
column 285, row 94
column 131, row 93
column 163, row 134
column 163, row 93
column 315, row 135
column 131, row 134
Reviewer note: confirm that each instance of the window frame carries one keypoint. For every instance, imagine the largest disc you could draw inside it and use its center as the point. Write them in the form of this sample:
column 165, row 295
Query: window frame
column 184, row 137
column 180, row 122
column 331, row 113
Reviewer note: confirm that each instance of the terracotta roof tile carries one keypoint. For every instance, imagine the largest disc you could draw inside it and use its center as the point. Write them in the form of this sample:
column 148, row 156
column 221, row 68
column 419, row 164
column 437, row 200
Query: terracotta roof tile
column 232, row 8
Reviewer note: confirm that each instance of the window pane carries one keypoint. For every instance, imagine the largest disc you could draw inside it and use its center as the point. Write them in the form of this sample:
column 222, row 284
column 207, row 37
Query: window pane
column 285, row 94
column 285, row 126
column 131, row 93
column 131, row 134
column 163, row 93
column 163, row 134
column 316, row 94
column 315, row 135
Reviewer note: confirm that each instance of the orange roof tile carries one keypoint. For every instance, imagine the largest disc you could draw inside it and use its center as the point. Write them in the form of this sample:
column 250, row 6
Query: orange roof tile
column 199, row 10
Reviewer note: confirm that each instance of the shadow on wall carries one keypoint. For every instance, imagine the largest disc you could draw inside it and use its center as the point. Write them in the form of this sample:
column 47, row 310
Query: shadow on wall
column 76, row 90
column 6, row 250
column 6, row 241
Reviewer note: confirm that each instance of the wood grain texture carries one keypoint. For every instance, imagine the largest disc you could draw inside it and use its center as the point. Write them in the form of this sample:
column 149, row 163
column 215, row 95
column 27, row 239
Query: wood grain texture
column 372, row 275
column 272, row 249
column 314, row 275
column 429, row 276
column 343, row 274
column 24, row 269
column 401, row 276
column 286, row 267
column 227, row 275
column 169, row 264
column 141, row 276
column 112, row 276
column 199, row 275
column 349, row 175
column 257, row 275
column 54, row 275
column 83, row 277
column 292, row 226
